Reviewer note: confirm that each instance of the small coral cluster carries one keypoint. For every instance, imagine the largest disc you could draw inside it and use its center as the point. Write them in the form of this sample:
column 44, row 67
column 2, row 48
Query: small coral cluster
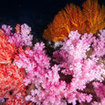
column 29, row 76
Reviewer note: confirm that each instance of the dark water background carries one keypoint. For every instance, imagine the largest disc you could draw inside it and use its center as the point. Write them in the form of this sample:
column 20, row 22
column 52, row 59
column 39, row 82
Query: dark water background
column 36, row 13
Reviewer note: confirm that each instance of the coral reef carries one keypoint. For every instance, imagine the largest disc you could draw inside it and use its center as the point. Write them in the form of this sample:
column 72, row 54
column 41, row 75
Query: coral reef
column 75, row 73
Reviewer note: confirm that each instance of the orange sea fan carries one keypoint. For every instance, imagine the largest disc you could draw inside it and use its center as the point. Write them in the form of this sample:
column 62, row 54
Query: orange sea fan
column 89, row 19
column 95, row 16
column 76, row 17
column 59, row 27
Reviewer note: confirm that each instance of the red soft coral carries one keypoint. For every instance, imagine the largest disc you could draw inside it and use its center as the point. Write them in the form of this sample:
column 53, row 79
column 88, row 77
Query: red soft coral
column 11, row 81
column 17, row 102
column 11, row 77
column 7, row 50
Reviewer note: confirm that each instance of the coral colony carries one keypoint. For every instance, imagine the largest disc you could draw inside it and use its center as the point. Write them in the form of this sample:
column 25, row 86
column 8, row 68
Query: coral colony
column 73, row 75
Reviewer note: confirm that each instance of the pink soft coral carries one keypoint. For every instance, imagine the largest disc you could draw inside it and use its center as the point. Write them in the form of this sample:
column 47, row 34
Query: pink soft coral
column 100, row 92
column 74, row 60
column 99, row 89
column 48, row 86
column 33, row 59
column 45, row 78
column 99, row 44
column 20, row 38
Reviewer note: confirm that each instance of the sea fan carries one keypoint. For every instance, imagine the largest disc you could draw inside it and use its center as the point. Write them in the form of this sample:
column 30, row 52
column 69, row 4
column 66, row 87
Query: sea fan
column 89, row 19
column 95, row 16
